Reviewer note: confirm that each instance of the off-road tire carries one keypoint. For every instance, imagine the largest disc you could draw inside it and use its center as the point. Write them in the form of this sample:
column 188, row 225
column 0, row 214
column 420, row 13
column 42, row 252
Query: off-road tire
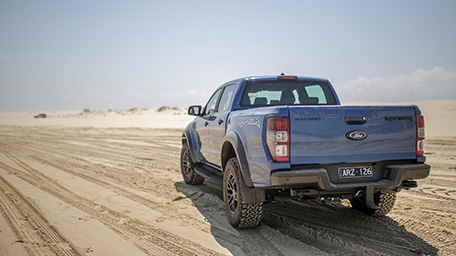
column 240, row 214
column 385, row 200
column 188, row 168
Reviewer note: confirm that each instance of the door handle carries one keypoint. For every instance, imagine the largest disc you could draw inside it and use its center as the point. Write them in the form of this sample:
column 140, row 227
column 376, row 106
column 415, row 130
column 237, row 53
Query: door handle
column 355, row 119
column 220, row 121
column 206, row 123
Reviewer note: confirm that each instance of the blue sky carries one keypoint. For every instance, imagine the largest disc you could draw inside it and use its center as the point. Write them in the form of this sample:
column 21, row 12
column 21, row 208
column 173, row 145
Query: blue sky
column 60, row 55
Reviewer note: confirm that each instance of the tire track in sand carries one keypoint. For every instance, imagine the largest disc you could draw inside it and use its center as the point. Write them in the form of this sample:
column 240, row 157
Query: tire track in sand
column 339, row 230
column 31, row 229
column 74, row 165
column 106, row 155
column 150, row 239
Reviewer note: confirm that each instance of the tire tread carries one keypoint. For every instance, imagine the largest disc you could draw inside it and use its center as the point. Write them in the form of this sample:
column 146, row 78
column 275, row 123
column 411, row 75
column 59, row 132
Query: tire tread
column 250, row 213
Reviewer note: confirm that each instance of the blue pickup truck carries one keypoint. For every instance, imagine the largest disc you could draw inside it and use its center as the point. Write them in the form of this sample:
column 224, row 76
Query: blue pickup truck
column 267, row 136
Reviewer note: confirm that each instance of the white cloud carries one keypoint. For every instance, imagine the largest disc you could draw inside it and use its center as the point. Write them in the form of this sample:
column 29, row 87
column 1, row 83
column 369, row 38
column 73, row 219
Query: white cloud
column 434, row 84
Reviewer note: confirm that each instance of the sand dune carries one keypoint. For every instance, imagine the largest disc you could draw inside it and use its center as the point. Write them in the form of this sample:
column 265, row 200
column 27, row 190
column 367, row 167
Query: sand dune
column 440, row 117
column 146, row 118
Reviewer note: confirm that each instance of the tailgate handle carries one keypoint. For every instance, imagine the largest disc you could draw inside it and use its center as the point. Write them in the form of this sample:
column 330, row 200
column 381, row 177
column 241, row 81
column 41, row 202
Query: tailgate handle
column 355, row 119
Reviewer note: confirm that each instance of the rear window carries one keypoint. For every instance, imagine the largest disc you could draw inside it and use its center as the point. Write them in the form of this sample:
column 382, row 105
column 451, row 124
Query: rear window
column 273, row 93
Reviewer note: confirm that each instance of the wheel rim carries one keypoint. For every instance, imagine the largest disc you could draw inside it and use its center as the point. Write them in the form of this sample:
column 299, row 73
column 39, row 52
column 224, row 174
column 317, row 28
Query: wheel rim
column 186, row 165
column 232, row 193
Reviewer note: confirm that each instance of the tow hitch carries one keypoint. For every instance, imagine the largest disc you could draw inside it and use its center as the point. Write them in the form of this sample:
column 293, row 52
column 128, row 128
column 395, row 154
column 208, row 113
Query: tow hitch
column 368, row 193
column 408, row 184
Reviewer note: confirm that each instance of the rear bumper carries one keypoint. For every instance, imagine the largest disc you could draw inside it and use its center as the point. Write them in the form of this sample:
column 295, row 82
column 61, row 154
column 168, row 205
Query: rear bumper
column 318, row 178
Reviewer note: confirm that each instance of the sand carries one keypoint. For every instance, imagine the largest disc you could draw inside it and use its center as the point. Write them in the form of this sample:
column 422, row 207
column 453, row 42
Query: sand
column 109, row 183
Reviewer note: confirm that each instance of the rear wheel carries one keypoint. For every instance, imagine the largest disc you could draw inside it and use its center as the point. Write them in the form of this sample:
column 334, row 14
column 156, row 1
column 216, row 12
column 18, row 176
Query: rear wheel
column 385, row 200
column 187, row 168
column 240, row 214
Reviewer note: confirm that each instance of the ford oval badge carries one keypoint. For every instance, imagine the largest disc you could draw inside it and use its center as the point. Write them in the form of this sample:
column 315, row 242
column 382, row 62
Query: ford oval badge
column 356, row 135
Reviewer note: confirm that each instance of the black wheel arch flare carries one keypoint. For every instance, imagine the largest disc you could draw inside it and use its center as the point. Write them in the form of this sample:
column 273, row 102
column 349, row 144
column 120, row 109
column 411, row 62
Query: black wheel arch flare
column 233, row 147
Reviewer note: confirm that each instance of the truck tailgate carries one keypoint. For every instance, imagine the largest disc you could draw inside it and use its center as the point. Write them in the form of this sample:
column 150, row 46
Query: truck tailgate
column 334, row 134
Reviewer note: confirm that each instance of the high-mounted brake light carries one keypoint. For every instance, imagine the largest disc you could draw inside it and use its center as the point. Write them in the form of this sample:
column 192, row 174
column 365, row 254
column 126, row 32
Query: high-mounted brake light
column 278, row 138
column 283, row 77
column 420, row 135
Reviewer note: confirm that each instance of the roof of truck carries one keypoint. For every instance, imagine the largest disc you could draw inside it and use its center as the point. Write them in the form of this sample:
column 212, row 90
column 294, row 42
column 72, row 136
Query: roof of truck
column 285, row 77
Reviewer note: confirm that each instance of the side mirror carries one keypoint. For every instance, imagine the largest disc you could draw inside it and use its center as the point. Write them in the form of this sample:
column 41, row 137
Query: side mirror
column 194, row 110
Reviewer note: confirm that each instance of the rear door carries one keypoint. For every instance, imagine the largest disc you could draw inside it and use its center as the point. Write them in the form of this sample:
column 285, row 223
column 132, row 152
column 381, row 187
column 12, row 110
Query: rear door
column 216, row 127
column 349, row 134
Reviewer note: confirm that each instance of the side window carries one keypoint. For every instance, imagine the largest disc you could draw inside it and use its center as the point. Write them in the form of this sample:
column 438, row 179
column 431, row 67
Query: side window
column 226, row 99
column 212, row 103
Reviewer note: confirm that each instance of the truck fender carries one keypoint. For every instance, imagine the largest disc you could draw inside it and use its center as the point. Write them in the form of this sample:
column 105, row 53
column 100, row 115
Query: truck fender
column 233, row 147
column 190, row 136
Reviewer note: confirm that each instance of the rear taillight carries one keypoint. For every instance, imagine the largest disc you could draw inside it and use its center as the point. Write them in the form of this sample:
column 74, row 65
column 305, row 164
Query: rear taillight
column 419, row 135
column 278, row 138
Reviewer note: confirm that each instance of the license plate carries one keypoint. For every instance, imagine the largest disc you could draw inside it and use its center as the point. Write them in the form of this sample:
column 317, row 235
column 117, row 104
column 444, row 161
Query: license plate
column 355, row 172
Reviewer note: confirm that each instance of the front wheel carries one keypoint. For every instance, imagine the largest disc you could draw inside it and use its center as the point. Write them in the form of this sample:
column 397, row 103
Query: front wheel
column 187, row 168
column 385, row 200
column 240, row 214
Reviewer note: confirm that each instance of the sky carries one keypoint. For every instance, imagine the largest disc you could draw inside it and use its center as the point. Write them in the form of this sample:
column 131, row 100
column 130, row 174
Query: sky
column 74, row 55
